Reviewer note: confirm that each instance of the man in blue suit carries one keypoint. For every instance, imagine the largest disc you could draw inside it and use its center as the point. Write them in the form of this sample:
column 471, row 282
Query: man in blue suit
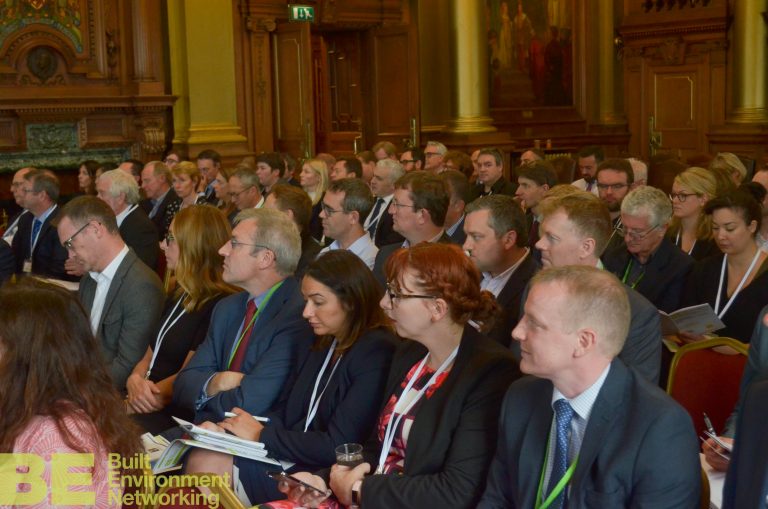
column 256, row 337
column 585, row 431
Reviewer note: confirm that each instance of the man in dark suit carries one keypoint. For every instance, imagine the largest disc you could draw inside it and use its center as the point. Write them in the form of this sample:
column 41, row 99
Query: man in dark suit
column 209, row 163
column 534, row 180
column 258, row 336
column 496, row 242
column 17, row 189
column 460, row 193
column 156, row 182
column 35, row 245
column 648, row 261
column 379, row 224
column 418, row 210
column 490, row 174
column 585, row 431
column 120, row 191
column 123, row 297
column 574, row 229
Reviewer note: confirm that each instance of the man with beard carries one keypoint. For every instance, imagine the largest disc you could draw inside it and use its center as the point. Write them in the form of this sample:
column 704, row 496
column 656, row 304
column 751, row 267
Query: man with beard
column 615, row 179
column 589, row 158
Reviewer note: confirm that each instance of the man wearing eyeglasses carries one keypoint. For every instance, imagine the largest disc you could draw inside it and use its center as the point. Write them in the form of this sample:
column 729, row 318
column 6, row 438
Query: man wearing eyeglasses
column 649, row 261
column 123, row 297
column 434, row 154
column 35, row 245
column 413, row 159
column 345, row 204
column 615, row 179
column 17, row 186
column 257, row 336
column 379, row 222
column 243, row 190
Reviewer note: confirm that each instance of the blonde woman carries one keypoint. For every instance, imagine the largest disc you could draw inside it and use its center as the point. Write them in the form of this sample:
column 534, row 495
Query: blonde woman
column 690, row 228
column 186, row 178
column 731, row 164
column 314, row 180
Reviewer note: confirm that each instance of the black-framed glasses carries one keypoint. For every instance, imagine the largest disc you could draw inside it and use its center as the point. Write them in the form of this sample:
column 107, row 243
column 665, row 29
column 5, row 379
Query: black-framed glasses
column 612, row 187
column 681, row 196
column 328, row 210
column 394, row 203
column 169, row 160
column 236, row 243
column 68, row 243
column 430, row 154
column 232, row 195
column 634, row 234
column 393, row 294
column 407, row 161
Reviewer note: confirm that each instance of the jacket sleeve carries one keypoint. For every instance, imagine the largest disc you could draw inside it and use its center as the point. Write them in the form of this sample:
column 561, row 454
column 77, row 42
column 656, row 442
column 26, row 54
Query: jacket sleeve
column 497, row 494
column 642, row 349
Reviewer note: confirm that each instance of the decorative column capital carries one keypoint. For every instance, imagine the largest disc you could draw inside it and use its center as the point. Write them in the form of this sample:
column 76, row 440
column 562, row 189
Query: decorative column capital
column 254, row 24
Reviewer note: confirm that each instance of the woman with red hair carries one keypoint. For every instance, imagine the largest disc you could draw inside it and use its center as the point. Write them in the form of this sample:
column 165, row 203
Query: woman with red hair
column 436, row 432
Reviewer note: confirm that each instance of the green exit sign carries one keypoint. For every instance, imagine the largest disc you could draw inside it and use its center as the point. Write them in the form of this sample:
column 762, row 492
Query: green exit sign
column 301, row 13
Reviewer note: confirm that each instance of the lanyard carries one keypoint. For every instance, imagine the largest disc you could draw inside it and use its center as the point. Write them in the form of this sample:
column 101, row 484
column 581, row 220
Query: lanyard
column 246, row 326
column 164, row 330
column 677, row 243
column 738, row 288
column 389, row 433
column 560, row 486
column 314, row 401
column 626, row 274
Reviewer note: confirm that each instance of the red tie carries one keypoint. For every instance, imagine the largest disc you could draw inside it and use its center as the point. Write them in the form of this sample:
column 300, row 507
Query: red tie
column 239, row 357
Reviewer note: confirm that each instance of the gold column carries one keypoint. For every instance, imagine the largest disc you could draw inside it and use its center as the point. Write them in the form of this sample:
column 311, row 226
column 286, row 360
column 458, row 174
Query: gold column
column 606, row 57
column 470, row 68
column 201, row 37
column 749, row 52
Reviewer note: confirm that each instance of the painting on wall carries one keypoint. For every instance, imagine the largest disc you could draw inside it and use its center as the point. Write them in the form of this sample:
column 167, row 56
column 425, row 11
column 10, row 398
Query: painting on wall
column 531, row 52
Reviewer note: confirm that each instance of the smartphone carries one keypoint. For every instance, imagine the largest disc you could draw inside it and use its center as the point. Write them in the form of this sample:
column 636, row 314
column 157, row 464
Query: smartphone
column 293, row 482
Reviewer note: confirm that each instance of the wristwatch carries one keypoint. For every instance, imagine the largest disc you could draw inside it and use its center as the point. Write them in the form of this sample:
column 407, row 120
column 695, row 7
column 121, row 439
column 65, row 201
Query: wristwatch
column 356, row 492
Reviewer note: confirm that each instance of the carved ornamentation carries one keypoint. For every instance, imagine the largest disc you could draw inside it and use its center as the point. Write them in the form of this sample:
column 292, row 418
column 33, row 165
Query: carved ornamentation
column 113, row 49
column 63, row 17
column 42, row 62
column 52, row 137
column 153, row 136
column 672, row 51
column 260, row 24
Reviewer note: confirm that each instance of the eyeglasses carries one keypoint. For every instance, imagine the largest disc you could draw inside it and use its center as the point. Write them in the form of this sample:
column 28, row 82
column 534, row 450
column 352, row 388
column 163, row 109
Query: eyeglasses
column 169, row 160
column 328, row 210
column 68, row 243
column 612, row 187
column 681, row 196
column 236, row 243
column 394, row 203
column 232, row 195
column 634, row 234
column 27, row 191
column 15, row 185
column 393, row 294
column 430, row 154
column 406, row 161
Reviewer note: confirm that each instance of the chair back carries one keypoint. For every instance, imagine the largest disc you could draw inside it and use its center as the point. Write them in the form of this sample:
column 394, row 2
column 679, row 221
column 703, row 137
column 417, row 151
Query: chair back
column 703, row 379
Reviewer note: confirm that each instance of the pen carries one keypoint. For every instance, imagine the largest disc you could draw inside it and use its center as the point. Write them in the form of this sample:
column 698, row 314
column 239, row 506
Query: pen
column 710, row 428
column 258, row 418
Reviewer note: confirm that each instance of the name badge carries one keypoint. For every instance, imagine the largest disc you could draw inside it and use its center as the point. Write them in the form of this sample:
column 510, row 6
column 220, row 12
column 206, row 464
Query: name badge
column 27, row 268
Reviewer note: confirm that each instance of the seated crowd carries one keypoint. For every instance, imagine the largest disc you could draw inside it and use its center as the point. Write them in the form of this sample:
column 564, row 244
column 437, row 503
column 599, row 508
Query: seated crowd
column 482, row 341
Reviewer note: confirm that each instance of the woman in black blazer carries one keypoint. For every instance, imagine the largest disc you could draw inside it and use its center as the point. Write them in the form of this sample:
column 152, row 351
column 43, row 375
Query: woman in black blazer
column 432, row 449
column 334, row 396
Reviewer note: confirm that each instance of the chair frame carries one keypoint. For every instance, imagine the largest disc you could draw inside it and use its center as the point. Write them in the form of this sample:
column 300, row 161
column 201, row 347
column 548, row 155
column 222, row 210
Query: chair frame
column 735, row 344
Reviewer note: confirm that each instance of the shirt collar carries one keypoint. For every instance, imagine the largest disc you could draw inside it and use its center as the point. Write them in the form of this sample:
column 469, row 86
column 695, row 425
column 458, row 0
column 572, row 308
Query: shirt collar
column 125, row 213
column 583, row 403
column 45, row 214
column 110, row 270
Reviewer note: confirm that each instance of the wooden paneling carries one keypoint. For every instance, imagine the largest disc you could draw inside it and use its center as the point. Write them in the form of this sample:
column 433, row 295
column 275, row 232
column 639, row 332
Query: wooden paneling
column 675, row 106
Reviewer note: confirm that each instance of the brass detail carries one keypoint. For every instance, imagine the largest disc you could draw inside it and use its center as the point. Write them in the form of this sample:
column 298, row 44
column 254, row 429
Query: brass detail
column 654, row 137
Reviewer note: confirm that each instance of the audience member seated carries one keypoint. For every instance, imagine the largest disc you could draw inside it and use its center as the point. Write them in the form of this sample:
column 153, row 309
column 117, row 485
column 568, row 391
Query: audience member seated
column 172, row 158
column 418, row 210
column 490, row 174
column 588, row 159
column 378, row 224
column 35, row 244
column 244, row 190
column 186, row 179
column 18, row 184
column 123, row 297
column 640, row 171
column 191, row 250
column 690, row 227
column 55, row 396
column 530, row 155
column 294, row 202
column 614, row 180
column 437, row 430
column 208, row 166
column 86, row 177
column 731, row 164
column 156, row 180
column 456, row 160
column 575, row 228
column 434, row 157
column 314, row 180
column 335, row 396
column 496, row 242
column 460, row 193
column 221, row 191
column 649, row 261
column 120, row 191
column 368, row 161
column 412, row 159
column 734, row 283
column 255, row 337
column 585, row 431
column 761, row 178
column 7, row 262
column 534, row 179
column 384, row 150
column 344, row 168
column 132, row 167
column 346, row 204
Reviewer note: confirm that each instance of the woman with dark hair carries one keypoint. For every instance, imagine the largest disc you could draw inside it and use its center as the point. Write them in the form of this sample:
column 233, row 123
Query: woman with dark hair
column 56, row 397
column 333, row 397
column 734, row 283
column 191, row 250
column 86, row 176
column 436, row 432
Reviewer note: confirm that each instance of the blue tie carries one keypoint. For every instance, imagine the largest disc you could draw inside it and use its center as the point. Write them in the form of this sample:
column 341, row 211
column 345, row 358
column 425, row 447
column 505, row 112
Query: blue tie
column 563, row 415
column 374, row 215
column 36, row 225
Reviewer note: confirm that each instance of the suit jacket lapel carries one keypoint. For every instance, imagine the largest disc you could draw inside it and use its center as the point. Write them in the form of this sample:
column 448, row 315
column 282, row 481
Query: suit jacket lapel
column 532, row 452
column 116, row 283
column 517, row 281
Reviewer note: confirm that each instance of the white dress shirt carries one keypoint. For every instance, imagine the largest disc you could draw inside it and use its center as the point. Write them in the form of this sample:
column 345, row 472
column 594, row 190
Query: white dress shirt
column 103, row 281
column 363, row 247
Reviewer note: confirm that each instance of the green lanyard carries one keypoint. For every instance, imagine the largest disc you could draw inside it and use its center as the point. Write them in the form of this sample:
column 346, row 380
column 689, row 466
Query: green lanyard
column 560, row 485
column 253, row 320
column 626, row 275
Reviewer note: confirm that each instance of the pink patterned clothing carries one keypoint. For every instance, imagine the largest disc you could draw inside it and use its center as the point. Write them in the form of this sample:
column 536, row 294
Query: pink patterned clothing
column 43, row 439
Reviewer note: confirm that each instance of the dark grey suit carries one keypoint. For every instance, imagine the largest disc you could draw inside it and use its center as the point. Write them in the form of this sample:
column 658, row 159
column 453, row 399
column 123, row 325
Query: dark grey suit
column 639, row 449
column 140, row 233
column 130, row 316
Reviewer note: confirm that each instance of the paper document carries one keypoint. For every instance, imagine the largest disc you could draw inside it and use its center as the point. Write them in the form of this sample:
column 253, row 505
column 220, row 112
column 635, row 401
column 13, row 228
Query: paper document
column 700, row 319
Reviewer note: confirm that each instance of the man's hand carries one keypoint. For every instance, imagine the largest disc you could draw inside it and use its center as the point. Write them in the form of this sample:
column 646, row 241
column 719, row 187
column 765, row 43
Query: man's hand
column 224, row 381
column 715, row 455
column 300, row 495
column 243, row 425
